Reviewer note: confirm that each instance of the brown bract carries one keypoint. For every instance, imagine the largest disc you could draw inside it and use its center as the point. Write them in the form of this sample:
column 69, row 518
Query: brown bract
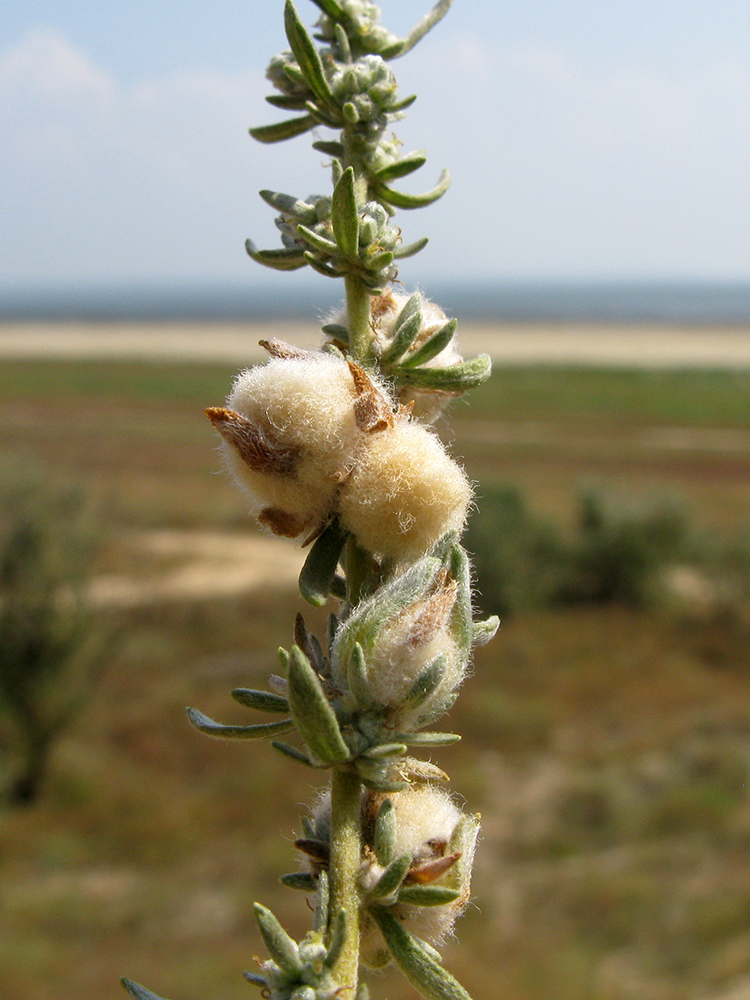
column 253, row 444
column 372, row 410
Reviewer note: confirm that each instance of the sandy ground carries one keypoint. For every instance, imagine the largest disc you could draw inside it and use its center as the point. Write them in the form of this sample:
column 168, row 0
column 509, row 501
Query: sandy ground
column 212, row 564
column 605, row 345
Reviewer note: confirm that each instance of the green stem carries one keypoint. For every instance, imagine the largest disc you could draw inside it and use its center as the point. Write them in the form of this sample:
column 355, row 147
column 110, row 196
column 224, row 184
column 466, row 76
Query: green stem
column 346, row 856
column 358, row 310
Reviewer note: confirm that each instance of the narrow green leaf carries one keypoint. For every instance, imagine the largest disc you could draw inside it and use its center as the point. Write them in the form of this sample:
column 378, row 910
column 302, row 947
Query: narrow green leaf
column 282, row 949
column 292, row 752
column 337, row 331
column 304, row 881
column 406, row 165
column 428, row 895
column 319, row 569
column 139, row 992
column 306, row 54
column 384, row 840
column 288, row 102
column 392, row 877
column 432, row 346
column 427, row 739
column 407, row 328
column 345, row 216
column 312, row 712
column 289, row 205
column 410, row 249
column 287, row 259
column 211, row 728
column 255, row 979
column 418, row 31
column 342, row 40
column 264, row 701
column 383, row 750
column 454, row 378
column 338, row 939
column 356, row 675
column 400, row 199
column 318, row 242
column 427, row 682
column 283, row 130
column 378, row 261
column 331, row 8
column 417, row 964
column 462, row 623
column 320, row 266
column 405, row 102
column 329, row 148
column 484, row 631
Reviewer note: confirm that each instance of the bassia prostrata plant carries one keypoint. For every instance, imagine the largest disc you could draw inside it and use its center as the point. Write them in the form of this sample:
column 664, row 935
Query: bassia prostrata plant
column 335, row 448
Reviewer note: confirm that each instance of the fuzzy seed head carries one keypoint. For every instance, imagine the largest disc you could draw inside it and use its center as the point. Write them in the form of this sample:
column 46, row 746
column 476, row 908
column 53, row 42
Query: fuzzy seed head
column 404, row 494
column 301, row 410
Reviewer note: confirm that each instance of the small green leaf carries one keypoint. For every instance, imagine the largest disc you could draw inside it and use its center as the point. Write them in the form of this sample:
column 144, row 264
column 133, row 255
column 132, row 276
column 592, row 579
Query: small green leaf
column 338, row 939
column 282, row 949
column 288, row 102
column 428, row 895
column 330, row 148
column 405, row 102
column 139, row 992
column 392, row 877
column 287, row 259
column 306, row 54
column 484, row 631
column 383, row 750
column 318, row 242
column 289, row 205
column 211, row 728
column 319, row 569
column 418, row 31
column 345, row 216
column 300, row 880
column 331, row 8
column 378, row 261
column 264, row 701
column 337, row 331
column 356, row 675
column 292, row 752
column 384, row 840
column 312, row 712
column 454, row 378
column 427, row 682
column 462, row 623
column 255, row 979
column 427, row 739
column 283, row 130
column 400, row 199
column 410, row 249
column 432, row 346
column 407, row 327
column 406, row 165
column 417, row 964
column 320, row 266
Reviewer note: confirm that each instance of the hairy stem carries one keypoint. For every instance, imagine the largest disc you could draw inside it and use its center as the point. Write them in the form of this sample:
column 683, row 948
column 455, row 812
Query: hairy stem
column 346, row 853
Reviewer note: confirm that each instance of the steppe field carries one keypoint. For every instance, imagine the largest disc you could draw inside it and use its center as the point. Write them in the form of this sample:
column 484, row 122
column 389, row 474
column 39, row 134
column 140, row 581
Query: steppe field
column 606, row 746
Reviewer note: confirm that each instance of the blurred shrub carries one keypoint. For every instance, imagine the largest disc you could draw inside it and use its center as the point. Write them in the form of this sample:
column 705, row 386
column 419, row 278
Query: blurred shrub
column 614, row 553
column 51, row 647
column 518, row 557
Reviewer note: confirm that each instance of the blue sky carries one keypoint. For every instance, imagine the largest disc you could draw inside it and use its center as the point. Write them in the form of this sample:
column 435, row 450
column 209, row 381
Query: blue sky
column 586, row 140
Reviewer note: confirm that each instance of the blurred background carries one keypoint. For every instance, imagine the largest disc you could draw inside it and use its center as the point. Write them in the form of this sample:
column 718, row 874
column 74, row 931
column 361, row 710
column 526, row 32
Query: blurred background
column 595, row 240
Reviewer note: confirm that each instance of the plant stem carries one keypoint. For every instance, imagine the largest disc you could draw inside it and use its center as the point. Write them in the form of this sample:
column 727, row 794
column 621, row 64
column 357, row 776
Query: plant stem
column 346, row 853
column 358, row 310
